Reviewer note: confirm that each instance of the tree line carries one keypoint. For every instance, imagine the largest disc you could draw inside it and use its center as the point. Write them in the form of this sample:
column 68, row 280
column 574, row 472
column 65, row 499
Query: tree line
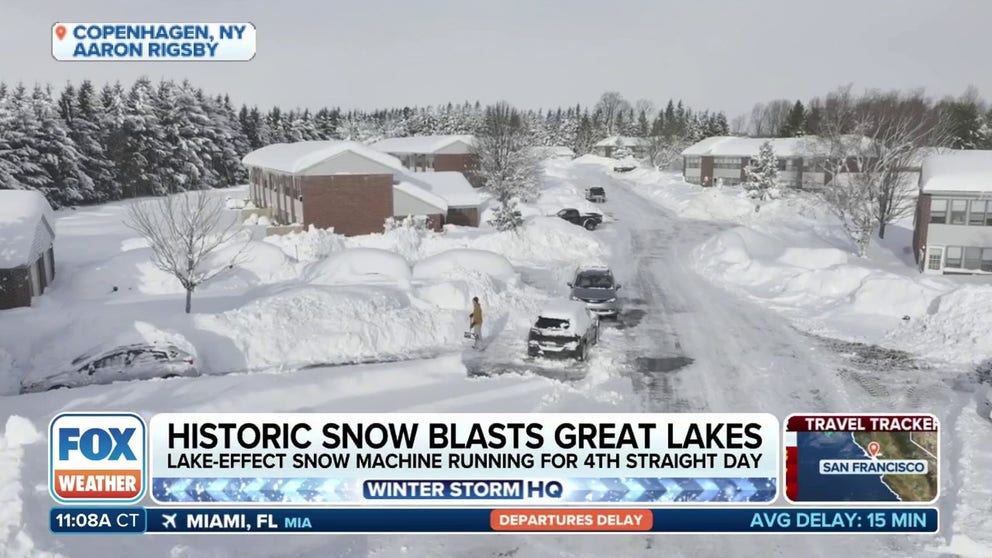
column 964, row 122
column 87, row 145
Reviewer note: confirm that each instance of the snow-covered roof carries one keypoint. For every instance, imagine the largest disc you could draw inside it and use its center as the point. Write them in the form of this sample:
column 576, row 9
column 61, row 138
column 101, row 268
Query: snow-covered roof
column 420, row 144
column 737, row 146
column 418, row 191
column 296, row 157
column 622, row 141
column 451, row 186
column 573, row 311
column 921, row 154
column 960, row 171
column 27, row 227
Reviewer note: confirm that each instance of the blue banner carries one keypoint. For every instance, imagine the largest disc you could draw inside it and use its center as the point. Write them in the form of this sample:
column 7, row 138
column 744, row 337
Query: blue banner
column 162, row 520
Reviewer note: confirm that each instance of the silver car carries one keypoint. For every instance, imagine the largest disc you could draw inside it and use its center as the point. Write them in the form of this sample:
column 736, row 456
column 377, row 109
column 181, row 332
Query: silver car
column 141, row 361
column 596, row 287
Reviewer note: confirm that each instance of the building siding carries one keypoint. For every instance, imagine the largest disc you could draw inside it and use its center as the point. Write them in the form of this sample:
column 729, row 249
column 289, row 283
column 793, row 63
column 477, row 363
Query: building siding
column 350, row 204
column 463, row 216
column 15, row 287
column 920, row 226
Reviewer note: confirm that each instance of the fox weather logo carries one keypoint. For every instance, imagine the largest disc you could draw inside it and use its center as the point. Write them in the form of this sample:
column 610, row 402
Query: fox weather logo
column 97, row 457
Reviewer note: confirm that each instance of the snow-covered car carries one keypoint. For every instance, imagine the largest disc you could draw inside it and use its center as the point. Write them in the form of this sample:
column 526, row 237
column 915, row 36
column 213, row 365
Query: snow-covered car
column 595, row 286
column 596, row 194
column 563, row 329
column 140, row 361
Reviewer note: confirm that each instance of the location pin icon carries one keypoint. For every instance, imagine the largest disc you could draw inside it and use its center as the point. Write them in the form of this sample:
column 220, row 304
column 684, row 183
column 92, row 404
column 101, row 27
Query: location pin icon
column 60, row 31
column 873, row 448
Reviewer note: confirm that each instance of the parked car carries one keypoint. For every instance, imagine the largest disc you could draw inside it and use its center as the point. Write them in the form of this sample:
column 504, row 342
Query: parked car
column 596, row 194
column 595, row 287
column 141, row 361
column 624, row 167
column 588, row 220
column 563, row 329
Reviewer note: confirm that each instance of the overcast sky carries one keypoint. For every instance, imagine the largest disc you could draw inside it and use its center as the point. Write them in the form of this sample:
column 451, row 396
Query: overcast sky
column 717, row 54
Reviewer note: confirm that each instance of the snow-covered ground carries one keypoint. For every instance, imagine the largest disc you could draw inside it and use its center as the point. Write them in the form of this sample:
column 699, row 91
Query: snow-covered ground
column 710, row 289
column 792, row 255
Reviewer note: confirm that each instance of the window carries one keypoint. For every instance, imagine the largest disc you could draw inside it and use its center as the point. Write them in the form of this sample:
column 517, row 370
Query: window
column 781, row 164
column 812, row 165
column 976, row 213
column 938, row 211
column 953, row 259
column 959, row 208
column 972, row 258
column 726, row 162
column 933, row 259
column 791, row 165
column 692, row 162
column 987, row 259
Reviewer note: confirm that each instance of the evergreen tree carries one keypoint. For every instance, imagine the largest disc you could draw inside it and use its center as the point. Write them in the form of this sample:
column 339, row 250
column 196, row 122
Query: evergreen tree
column 23, row 155
column 643, row 127
column 795, row 122
column 88, row 134
column 585, row 135
column 58, row 154
column 143, row 151
column 761, row 175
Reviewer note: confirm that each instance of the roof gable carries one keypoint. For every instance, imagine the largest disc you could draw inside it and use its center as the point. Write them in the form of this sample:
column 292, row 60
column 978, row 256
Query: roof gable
column 27, row 227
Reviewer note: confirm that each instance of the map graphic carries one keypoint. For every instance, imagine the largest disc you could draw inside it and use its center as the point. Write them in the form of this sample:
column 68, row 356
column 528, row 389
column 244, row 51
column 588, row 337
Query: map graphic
column 862, row 458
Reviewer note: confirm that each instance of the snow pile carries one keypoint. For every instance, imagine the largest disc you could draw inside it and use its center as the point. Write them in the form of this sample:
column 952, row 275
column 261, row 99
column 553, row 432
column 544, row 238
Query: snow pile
column 134, row 271
column 455, row 263
column 956, row 327
column 590, row 159
column 7, row 382
column 359, row 265
column 14, row 541
column 320, row 325
column 235, row 203
column 310, row 245
column 257, row 220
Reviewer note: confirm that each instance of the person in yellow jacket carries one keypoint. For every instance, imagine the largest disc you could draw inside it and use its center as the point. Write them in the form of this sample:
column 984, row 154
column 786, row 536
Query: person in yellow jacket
column 475, row 323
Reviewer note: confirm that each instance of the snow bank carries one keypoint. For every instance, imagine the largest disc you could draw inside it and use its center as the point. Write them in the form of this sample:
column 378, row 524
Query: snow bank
column 14, row 540
column 134, row 271
column 815, row 276
column 359, row 265
column 313, row 325
column 310, row 245
column 456, row 262
column 590, row 159
column 955, row 328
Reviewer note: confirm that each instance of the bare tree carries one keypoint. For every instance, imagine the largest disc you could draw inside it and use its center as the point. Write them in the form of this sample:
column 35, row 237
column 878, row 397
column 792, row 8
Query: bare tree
column 507, row 162
column 183, row 231
column 663, row 151
column 610, row 106
column 871, row 184
column 738, row 126
column 645, row 106
column 767, row 119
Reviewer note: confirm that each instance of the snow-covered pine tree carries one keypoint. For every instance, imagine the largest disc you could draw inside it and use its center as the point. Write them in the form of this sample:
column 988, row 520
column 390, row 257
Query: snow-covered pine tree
column 143, row 150
column 89, row 136
column 23, row 155
column 8, row 160
column 182, row 123
column 57, row 154
column 761, row 175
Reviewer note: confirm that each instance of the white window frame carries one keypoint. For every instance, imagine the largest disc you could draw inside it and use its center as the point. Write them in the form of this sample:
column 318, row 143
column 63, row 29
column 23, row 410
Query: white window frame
column 934, row 254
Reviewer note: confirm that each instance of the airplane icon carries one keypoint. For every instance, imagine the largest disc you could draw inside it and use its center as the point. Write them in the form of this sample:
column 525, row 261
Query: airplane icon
column 169, row 521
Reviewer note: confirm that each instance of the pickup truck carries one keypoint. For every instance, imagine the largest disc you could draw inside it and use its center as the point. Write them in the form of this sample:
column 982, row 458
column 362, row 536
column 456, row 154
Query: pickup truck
column 587, row 220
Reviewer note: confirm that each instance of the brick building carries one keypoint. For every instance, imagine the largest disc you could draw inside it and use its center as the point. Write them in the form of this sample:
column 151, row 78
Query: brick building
column 802, row 161
column 353, row 189
column 453, row 153
column 952, row 227
column 27, row 256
